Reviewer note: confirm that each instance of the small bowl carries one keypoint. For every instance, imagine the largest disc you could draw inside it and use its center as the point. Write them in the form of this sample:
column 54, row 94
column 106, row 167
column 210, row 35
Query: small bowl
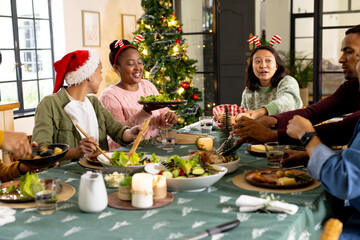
column 231, row 166
column 187, row 184
column 48, row 161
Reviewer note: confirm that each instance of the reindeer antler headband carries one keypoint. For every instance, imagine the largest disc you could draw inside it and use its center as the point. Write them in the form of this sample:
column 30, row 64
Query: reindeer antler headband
column 120, row 44
column 255, row 39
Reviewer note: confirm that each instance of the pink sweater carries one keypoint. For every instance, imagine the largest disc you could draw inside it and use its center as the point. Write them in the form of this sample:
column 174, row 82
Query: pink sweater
column 124, row 106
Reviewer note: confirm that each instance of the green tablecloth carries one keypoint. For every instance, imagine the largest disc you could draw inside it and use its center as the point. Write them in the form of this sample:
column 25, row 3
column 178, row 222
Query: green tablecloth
column 190, row 213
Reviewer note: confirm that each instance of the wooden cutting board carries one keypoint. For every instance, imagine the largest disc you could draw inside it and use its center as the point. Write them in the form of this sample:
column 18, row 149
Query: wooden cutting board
column 184, row 138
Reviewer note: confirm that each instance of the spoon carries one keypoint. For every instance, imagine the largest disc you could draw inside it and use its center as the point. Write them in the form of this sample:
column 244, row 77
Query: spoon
column 139, row 137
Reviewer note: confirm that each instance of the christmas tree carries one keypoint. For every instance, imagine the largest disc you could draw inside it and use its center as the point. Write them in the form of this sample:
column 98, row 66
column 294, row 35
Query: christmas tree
column 166, row 63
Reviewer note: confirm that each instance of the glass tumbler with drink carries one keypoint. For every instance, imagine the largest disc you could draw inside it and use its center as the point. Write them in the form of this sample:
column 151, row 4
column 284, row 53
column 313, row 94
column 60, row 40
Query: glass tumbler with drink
column 206, row 124
column 168, row 137
column 46, row 193
column 274, row 154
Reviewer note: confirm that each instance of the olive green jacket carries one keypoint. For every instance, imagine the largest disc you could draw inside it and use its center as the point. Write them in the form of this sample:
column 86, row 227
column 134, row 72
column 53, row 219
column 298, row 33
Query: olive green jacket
column 53, row 125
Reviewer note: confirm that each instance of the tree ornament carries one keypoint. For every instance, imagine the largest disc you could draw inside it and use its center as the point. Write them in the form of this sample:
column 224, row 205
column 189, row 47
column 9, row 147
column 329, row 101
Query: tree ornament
column 173, row 15
column 177, row 41
column 161, row 2
column 185, row 58
column 185, row 85
column 195, row 97
column 181, row 120
column 179, row 29
column 163, row 19
column 165, row 48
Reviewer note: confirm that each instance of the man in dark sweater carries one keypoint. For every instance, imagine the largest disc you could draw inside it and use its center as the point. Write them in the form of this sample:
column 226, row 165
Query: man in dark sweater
column 344, row 101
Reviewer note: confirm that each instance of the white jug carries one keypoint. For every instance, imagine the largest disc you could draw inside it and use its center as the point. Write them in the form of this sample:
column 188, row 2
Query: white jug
column 92, row 192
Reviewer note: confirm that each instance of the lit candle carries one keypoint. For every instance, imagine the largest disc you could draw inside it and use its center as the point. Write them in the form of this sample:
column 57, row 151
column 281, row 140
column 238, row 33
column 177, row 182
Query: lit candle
column 159, row 187
column 142, row 190
column 205, row 143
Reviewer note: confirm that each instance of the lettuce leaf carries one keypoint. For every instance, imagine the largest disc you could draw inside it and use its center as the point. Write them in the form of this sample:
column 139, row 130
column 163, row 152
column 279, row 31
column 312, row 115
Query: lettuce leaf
column 25, row 184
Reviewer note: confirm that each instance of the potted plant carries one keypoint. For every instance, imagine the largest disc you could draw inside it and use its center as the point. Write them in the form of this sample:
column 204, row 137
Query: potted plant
column 301, row 68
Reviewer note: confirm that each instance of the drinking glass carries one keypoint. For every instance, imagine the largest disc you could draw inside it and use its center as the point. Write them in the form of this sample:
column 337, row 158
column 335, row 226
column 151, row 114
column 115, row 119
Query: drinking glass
column 206, row 124
column 168, row 137
column 274, row 154
column 46, row 193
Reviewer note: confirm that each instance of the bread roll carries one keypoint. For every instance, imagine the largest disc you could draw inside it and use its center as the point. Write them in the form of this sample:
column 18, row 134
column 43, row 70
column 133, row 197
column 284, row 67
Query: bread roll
column 332, row 230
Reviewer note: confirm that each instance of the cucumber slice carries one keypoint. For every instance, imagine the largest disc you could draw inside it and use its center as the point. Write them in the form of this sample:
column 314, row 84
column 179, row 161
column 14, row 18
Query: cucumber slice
column 175, row 173
column 181, row 177
column 167, row 174
column 198, row 171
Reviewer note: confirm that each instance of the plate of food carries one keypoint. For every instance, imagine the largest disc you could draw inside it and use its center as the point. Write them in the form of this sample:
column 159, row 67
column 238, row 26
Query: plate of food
column 231, row 162
column 278, row 178
column 93, row 160
column 186, row 174
column 121, row 163
column 161, row 99
column 44, row 156
column 257, row 150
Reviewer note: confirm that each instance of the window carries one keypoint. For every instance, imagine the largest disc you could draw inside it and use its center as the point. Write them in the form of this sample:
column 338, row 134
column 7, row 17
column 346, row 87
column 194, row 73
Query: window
column 198, row 30
column 26, row 73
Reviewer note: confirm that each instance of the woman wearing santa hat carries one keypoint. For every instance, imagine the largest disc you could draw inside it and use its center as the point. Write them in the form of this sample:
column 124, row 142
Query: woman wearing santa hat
column 122, row 99
column 57, row 114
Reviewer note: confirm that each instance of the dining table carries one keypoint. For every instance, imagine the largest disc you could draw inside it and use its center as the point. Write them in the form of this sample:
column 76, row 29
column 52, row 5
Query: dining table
column 188, row 214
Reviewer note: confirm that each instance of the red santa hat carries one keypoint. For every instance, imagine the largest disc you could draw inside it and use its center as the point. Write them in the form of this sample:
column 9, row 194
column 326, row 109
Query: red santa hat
column 75, row 67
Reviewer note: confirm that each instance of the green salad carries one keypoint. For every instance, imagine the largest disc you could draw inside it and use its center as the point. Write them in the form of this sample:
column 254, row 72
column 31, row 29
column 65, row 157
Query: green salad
column 24, row 187
column 156, row 98
column 182, row 168
column 121, row 159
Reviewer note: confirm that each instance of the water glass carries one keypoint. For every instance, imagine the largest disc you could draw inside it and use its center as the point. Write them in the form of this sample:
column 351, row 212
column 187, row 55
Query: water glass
column 46, row 195
column 168, row 137
column 206, row 124
column 274, row 154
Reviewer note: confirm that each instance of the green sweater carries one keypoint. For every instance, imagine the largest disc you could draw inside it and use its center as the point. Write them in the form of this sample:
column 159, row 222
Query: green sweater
column 52, row 124
column 285, row 97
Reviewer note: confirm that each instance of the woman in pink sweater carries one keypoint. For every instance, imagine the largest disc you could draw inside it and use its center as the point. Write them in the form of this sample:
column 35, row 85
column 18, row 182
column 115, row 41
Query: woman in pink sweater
column 122, row 99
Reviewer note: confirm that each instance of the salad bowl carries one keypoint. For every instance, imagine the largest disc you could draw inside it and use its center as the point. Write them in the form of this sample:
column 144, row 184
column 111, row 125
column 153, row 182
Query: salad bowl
column 120, row 169
column 194, row 184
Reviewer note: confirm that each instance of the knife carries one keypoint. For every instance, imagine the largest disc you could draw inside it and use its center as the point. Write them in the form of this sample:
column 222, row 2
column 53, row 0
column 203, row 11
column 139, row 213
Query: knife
column 215, row 230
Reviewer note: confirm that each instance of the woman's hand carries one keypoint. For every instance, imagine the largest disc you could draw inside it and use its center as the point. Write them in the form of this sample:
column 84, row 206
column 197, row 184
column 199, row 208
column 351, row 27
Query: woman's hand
column 255, row 114
column 170, row 118
column 130, row 135
column 17, row 143
column 298, row 126
column 87, row 145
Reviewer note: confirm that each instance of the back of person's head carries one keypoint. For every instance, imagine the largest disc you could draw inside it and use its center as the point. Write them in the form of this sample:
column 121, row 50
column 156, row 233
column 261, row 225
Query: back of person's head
column 355, row 29
column 117, row 48
column 252, row 82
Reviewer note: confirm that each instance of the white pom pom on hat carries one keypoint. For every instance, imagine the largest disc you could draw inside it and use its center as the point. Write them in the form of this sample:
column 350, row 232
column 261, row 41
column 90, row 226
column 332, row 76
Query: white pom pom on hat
column 75, row 67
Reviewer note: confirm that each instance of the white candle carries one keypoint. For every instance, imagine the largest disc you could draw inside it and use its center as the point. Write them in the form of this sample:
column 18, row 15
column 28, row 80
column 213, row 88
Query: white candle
column 205, row 143
column 159, row 187
column 142, row 190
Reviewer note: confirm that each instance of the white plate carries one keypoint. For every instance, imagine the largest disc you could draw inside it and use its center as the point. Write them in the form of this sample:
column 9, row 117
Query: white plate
column 187, row 184
column 231, row 166
column 129, row 169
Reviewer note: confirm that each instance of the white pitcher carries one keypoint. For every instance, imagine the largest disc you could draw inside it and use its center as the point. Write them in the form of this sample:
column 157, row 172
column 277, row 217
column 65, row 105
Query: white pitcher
column 92, row 192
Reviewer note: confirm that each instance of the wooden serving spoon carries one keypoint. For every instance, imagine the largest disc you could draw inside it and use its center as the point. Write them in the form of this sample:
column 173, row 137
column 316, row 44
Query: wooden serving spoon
column 87, row 136
column 139, row 137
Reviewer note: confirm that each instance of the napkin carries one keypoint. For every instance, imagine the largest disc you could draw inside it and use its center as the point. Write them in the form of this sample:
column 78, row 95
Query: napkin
column 194, row 126
column 6, row 215
column 250, row 204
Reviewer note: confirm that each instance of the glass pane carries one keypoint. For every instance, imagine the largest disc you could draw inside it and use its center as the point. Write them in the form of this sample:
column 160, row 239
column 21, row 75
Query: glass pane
column 335, row 5
column 46, row 87
column 44, row 64
column 6, row 40
column 205, row 84
column 201, row 48
column 331, row 49
column 5, row 8
column 304, row 46
column 28, row 58
column 30, row 94
column 7, row 71
column 304, row 27
column 24, row 8
column 41, row 9
column 355, row 5
column 42, row 34
column 26, row 34
column 191, row 18
column 345, row 19
column 8, row 92
column 331, row 82
column 303, row 6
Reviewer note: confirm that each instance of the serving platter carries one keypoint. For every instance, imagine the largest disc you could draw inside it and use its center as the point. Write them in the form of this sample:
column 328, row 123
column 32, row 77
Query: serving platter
column 270, row 173
column 164, row 103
